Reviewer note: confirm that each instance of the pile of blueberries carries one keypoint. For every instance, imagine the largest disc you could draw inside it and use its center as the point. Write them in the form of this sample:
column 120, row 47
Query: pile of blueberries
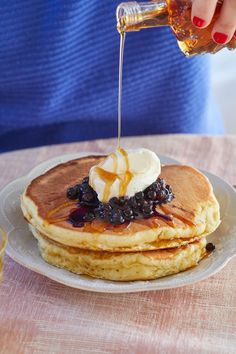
column 118, row 210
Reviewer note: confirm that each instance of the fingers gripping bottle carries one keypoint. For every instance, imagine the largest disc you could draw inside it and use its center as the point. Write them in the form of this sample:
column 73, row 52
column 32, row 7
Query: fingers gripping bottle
column 135, row 16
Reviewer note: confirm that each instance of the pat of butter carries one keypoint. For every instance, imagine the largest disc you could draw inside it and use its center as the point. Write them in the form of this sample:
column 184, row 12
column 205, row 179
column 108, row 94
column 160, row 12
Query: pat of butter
column 124, row 173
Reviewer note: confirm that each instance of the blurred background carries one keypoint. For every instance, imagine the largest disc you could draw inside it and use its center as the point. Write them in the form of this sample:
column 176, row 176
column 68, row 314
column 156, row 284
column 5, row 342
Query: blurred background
column 224, row 87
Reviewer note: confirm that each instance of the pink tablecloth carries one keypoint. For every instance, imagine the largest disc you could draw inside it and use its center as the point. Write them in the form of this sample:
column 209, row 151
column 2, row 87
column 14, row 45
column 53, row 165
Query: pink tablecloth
column 38, row 315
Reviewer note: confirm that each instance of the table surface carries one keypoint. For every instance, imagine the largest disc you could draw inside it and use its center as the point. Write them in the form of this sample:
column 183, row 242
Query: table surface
column 38, row 315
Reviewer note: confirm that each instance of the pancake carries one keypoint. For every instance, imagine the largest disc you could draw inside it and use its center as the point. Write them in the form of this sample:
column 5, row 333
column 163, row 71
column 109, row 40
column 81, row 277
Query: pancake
column 195, row 211
column 121, row 266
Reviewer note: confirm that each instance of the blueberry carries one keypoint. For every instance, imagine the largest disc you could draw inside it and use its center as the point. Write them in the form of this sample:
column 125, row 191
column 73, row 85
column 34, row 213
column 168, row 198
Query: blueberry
column 137, row 214
column 147, row 204
column 128, row 213
column 101, row 215
column 161, row 182
column 155, row 186
column 99, row 210
column 161, row 195
column 210, row 247
column 78, row 215
column 84, row 187
column 152, row 195
column 152, row 187
column 133, row 203
column 147, row 210
column 170, row 192
column 116, row 217
column 89, row 216
column 107, row 208
column 123, row 200
column 100, row 207
column 78, row 224
column 107, row 211
column 139, row 196
column 85, row 180
column 91, row 203
column 72, row 193
column 114, row 202
column 88, row 196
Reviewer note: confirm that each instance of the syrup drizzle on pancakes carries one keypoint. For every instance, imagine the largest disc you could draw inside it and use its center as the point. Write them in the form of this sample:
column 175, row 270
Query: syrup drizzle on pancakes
column 60, row 214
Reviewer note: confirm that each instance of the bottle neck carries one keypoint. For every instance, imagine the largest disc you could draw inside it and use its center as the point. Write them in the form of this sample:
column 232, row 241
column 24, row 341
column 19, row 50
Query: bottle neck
column 134, row 16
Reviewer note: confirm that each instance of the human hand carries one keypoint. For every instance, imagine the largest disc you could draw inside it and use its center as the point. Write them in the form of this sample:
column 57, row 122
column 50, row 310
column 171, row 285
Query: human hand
column 225, row 26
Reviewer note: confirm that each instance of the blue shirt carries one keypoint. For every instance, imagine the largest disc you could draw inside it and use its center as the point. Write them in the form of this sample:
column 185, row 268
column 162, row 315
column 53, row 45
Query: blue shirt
column 59, row 77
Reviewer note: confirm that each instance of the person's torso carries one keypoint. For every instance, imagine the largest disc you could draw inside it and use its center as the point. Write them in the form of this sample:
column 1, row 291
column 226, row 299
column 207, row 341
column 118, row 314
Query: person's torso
column 59, row 64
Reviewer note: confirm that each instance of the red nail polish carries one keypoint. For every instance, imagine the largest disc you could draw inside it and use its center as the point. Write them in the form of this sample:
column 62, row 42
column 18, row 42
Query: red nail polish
column 220, row 38
column 197, row 21
column 235, row 34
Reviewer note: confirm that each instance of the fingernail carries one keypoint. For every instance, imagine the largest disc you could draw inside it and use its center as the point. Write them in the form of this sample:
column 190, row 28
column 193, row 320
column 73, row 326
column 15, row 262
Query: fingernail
column 220, row 38
column 235, row 34
column 197, row 21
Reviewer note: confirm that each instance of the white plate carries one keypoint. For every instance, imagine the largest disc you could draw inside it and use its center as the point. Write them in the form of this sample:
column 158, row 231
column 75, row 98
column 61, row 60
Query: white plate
column 22, row 247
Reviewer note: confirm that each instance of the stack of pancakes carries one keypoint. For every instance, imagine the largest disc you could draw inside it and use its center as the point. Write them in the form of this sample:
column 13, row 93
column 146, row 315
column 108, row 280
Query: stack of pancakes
column 140, row 250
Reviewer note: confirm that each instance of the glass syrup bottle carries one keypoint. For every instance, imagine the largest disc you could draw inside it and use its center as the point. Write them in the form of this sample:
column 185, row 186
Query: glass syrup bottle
column 134, row 16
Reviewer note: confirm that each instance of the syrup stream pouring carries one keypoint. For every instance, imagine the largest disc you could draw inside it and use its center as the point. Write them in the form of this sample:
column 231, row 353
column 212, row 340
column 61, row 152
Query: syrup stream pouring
column 122, row 44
